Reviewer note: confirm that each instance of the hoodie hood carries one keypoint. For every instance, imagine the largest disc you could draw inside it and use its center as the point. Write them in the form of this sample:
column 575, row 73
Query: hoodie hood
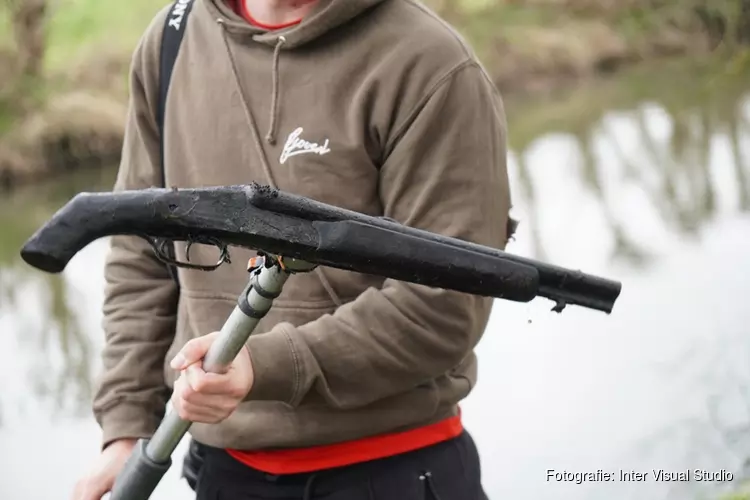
column 324, row 17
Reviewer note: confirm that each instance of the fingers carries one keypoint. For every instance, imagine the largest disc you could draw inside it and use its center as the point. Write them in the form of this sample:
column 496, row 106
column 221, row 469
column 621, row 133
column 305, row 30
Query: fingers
column 219, row 384
column 108, row 465
column 91, row 488
column 204, row 397
column 205, row 391
column 204, row 382
column 202, row 414
column 199, row 407
column 193, row 351
column 97, row 483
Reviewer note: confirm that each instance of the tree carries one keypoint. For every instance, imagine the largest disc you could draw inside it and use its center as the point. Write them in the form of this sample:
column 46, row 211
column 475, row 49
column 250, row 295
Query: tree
column 28, row 23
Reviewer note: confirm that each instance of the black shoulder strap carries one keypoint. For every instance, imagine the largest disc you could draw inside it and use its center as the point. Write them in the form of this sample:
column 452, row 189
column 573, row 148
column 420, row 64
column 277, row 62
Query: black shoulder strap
column 174, row 29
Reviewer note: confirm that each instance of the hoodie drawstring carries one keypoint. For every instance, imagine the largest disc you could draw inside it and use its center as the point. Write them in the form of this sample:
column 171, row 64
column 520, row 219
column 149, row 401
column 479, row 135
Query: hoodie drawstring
column 246, row 108
column 270, row 137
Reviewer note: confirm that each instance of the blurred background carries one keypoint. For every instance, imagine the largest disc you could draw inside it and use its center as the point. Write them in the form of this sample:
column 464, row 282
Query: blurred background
column 630, row 157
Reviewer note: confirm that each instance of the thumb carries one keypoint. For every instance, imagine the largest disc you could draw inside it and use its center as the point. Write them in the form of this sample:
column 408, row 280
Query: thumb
column 193, row 351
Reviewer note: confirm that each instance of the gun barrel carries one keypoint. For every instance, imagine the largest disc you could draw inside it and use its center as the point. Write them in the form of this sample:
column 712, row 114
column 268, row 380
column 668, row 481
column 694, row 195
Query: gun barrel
column 556, row 283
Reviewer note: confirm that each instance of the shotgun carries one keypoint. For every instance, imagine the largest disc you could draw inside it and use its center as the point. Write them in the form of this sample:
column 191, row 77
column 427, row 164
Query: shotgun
column 266, row 219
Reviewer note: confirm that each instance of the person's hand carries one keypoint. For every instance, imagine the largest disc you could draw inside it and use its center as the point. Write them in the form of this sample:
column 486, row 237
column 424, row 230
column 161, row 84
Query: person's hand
column 108, row 465
column 204, row 397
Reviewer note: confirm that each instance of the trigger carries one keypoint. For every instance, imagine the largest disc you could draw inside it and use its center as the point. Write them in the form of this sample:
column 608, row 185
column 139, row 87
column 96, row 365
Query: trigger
column 187, row 250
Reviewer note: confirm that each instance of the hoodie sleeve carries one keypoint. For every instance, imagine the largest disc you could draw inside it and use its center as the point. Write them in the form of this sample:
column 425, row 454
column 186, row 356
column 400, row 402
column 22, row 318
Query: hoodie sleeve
column 445, row 172
column 140, row 297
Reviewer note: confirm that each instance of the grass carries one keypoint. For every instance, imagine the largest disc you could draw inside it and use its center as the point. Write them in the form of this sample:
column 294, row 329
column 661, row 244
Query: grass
column 80, row 29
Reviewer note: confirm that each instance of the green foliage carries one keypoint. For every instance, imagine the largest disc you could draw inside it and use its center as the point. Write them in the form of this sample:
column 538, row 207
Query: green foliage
column 81, row 29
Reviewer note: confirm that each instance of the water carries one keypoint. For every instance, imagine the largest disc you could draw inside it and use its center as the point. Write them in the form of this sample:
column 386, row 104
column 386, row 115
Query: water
column 643, row 179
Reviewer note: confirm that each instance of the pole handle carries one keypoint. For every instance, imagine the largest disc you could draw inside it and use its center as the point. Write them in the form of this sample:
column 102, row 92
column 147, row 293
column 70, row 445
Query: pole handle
column 140, row 476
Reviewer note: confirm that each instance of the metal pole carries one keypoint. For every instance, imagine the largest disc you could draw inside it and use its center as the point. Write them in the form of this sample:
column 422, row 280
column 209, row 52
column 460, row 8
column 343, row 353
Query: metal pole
column 152, row 458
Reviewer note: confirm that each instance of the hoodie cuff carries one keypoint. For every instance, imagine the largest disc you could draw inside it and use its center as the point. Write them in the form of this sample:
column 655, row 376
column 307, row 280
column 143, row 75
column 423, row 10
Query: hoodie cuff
column 128, row 420
column 276, row 366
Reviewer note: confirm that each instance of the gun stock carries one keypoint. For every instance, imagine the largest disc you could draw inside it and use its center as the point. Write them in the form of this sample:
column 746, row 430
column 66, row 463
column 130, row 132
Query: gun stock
column 222, row 214
column 265, row 219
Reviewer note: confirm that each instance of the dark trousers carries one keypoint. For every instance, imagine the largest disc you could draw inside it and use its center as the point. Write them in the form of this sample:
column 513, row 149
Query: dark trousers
column 446, row 471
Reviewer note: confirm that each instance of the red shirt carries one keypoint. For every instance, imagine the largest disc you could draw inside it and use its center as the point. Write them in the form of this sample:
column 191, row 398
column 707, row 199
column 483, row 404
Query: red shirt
column 240, row 8
column 296, row 460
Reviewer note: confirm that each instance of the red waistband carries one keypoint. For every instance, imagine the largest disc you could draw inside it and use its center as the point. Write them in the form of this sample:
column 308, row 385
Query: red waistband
column 298, row 460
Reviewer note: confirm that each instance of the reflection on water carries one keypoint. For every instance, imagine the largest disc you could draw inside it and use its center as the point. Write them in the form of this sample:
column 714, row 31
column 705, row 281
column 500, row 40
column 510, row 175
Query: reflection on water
column 669, row 150
column 641, row 180
column 43, row 310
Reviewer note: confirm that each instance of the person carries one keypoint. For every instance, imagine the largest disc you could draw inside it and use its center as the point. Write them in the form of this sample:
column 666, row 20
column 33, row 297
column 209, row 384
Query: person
column 351, row 386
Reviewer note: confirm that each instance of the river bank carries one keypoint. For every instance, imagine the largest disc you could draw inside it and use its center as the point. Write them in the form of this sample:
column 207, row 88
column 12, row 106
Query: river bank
column 72, row 115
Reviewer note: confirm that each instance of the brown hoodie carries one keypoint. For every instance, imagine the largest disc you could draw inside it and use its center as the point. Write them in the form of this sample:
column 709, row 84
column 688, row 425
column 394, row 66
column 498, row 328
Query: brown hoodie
column 399, row 120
